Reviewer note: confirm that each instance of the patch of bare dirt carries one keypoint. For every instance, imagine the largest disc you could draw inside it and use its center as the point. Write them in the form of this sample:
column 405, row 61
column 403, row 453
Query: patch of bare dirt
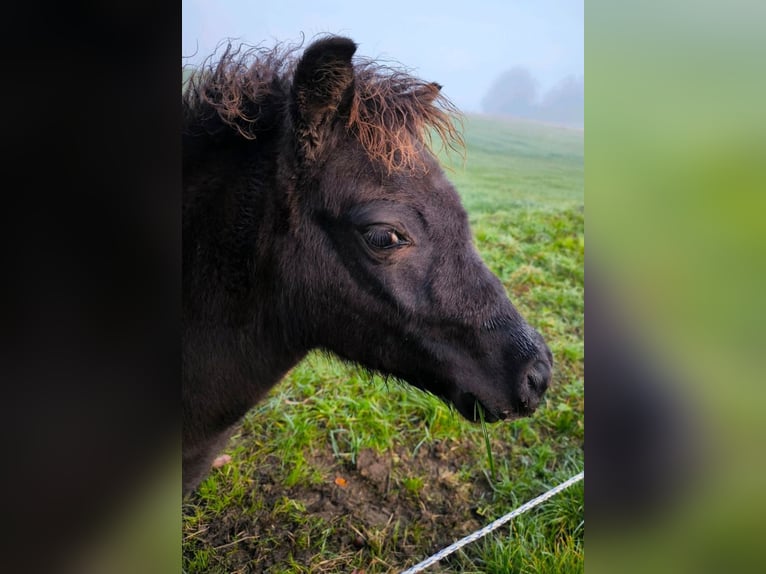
column 382, row 513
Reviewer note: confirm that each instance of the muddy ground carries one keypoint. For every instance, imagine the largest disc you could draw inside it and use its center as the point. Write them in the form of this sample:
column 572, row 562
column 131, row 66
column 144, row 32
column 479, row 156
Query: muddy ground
column 382, row 512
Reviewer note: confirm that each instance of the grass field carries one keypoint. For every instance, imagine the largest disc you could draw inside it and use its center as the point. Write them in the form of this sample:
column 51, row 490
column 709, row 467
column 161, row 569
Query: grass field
column 336, row 472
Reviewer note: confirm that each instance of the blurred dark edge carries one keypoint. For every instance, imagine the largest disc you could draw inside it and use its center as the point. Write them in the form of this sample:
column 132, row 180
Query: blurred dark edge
column 90, row 353
column 644, row 435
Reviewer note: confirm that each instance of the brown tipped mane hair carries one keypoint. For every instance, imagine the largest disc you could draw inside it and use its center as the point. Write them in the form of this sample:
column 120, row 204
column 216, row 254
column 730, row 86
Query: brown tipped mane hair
column 391, row 113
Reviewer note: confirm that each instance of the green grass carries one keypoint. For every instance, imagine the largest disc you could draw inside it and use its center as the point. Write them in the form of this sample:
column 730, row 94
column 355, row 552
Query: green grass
column 512, row 165
column 305, row 491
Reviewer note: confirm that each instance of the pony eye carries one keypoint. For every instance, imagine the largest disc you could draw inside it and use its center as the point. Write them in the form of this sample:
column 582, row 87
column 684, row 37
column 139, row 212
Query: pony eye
column 383, row 238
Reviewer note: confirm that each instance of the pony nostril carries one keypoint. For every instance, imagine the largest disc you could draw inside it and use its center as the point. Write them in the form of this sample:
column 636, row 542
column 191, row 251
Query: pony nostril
column 538, row 377
column 535, row 383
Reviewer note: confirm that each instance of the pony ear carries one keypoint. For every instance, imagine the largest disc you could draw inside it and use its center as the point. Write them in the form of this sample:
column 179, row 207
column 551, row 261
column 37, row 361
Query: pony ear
column 322, row 85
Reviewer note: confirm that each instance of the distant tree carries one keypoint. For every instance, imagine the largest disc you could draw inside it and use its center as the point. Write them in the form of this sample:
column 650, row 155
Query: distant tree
column 564, row 103
column 517, row 93
column 514, row 93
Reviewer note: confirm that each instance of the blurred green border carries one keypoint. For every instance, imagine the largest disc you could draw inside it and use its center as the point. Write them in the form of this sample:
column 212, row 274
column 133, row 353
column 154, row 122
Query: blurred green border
column 675, row 177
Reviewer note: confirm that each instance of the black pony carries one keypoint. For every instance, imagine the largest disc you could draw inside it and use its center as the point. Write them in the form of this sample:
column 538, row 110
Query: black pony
column 315, row 215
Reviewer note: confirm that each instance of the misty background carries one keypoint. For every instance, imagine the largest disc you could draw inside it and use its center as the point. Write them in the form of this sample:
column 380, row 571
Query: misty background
column 517, row 58
column 517, row 93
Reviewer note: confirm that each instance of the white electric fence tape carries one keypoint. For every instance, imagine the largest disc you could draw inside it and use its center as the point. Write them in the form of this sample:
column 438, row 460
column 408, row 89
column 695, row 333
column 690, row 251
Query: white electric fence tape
column 493, row 525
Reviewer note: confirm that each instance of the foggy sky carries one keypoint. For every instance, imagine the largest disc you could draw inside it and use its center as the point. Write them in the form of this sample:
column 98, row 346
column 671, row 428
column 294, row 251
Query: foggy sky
column 465, row 46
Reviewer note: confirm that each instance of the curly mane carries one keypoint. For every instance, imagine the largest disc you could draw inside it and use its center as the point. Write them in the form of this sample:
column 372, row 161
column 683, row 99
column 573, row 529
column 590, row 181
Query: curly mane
column 392, row 114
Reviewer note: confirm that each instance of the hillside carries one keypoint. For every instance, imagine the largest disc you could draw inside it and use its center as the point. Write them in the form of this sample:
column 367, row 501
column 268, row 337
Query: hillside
column 518, row 163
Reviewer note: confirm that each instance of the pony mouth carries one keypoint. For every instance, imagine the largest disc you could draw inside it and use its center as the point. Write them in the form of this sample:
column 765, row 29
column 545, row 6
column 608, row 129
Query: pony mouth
column 522, row 403
column 473, row 409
